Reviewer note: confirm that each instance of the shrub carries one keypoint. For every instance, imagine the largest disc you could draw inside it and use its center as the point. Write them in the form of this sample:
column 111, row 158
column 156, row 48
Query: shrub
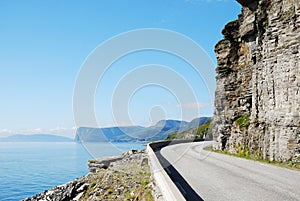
column 243, row 121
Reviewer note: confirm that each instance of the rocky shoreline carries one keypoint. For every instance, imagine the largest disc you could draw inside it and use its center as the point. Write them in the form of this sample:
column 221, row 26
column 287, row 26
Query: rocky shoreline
column 126, row 177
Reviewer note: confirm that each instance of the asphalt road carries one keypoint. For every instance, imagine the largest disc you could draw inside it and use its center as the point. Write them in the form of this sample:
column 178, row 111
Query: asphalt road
column 216, row 176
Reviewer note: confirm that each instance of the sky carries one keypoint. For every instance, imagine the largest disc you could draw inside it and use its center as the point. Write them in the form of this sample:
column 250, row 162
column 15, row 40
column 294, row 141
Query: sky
column 44, row 45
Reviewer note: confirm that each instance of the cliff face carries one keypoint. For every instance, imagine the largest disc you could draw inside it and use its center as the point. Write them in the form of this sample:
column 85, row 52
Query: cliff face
column 257, row 107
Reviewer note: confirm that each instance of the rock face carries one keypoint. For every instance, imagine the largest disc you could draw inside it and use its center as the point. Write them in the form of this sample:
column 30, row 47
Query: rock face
column 257, row 102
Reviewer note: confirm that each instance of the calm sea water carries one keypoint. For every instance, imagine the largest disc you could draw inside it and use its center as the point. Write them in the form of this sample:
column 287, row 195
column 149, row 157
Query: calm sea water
column 30, row 168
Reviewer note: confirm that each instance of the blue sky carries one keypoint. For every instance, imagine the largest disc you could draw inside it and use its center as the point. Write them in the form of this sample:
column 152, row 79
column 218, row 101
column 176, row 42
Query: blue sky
column 44, row 43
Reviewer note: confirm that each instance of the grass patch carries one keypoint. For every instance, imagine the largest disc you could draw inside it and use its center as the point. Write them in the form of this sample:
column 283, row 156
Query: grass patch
column 93, row 184
column 109, row 191
column 288, row 164
column 265, row 23
column 203, row 130
column 126, row 181
column 243, row 121
column 145, row 183
column 90, row 189
column 172, row 136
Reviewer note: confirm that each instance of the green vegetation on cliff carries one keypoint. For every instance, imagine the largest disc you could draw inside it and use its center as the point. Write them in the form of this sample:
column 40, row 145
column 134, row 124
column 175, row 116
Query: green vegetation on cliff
column 129, row 181
column 244, row 153
column 199, row 133
column 243, row 121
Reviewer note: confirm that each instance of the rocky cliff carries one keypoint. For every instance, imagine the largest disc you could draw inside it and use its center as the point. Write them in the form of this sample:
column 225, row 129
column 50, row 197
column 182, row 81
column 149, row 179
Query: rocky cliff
column 257, row 102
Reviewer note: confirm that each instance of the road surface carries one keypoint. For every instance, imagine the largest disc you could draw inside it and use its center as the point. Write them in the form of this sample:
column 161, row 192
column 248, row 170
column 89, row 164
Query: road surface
column 216, row 176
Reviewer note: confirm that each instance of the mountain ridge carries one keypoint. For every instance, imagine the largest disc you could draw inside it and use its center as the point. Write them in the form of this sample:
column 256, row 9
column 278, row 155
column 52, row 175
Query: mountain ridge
column 35, row 138
column 161, row 130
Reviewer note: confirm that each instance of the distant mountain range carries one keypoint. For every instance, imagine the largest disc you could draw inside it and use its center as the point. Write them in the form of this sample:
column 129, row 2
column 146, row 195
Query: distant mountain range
column 35, row 138
column 159, row 131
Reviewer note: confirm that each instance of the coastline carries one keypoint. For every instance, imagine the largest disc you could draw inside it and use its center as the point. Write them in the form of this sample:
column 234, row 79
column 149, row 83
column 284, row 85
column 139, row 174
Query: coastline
column 125, row 177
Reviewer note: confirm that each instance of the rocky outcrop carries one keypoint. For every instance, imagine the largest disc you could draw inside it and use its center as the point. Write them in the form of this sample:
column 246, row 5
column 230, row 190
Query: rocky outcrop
column 257, row 102
column 70, row 191
column 126, row 177
column 104, row 163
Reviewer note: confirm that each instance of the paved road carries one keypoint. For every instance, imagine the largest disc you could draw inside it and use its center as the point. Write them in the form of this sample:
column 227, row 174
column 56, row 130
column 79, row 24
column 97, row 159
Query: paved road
column 220, row 177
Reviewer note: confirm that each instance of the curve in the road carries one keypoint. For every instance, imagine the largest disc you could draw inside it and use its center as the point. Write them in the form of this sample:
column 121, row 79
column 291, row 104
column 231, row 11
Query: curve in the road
column 216, row 176
column 183, row 186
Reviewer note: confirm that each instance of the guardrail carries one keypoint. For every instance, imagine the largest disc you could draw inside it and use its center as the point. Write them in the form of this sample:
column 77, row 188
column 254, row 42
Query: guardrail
column 169, row 190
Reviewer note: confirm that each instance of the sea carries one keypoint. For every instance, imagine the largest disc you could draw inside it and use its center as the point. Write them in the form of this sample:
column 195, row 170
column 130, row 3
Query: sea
column 28, row 168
